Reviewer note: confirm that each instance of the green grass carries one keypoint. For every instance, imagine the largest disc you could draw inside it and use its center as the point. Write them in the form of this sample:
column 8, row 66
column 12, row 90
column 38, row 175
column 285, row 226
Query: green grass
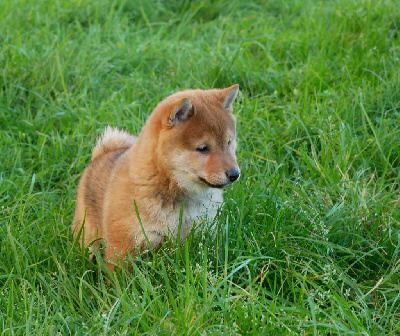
column 310, row 234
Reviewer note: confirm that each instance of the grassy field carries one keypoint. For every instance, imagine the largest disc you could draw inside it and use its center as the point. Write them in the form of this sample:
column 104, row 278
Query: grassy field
column 310, row 234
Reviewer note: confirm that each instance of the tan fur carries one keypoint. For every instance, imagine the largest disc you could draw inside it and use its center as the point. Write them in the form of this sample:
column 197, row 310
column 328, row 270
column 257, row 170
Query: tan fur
column 111, row 140
column 159, row 171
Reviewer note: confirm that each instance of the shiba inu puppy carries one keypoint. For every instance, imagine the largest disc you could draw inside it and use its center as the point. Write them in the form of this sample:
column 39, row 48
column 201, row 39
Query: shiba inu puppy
column 183, row 157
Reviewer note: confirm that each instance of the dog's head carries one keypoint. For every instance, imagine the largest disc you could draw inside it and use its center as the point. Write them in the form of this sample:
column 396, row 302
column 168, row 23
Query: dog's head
column 196, row 139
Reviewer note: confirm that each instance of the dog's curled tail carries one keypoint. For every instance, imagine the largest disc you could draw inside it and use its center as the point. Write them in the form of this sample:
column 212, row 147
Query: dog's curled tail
column 112, row 139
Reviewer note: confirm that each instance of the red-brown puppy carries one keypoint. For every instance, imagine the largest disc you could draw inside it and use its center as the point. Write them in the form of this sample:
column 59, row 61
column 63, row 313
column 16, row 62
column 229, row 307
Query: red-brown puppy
column 185, row 154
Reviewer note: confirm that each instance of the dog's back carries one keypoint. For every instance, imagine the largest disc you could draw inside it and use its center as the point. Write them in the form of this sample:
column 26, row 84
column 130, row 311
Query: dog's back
column 107, row 153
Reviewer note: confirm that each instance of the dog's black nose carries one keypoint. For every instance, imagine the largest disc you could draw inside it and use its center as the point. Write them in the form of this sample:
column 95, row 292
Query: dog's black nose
column 233, row 174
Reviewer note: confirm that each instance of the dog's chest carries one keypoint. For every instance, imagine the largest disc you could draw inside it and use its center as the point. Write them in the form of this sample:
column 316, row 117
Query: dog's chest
column 196, row 210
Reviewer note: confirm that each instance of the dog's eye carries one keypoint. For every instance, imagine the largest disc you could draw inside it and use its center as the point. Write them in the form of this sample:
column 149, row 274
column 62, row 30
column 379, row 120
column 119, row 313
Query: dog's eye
column 229, row 143
column 203, row 149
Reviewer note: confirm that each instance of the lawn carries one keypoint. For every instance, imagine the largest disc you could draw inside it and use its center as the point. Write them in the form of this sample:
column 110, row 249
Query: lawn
column 309, row 236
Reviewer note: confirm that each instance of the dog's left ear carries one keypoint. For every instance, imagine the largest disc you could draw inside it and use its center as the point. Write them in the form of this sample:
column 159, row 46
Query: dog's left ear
column 228, row 96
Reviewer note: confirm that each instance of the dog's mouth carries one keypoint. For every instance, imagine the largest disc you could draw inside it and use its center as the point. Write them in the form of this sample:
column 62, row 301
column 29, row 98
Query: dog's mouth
column 218, row 186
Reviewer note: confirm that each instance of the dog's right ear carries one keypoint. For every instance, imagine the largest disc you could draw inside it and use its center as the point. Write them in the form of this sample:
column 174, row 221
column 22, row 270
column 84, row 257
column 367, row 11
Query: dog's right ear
column 181, row 113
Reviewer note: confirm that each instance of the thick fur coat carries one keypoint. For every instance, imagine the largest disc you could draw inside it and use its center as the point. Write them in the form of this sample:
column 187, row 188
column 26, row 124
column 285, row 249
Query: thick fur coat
column 184, row 155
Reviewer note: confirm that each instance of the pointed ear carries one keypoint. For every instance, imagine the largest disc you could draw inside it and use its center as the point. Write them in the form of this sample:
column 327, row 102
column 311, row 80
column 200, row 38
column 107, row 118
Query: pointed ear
column 181, row 113
column 229, row 95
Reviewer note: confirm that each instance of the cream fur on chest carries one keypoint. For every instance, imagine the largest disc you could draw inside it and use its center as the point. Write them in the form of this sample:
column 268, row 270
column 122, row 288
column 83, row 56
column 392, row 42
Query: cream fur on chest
column 165, row 221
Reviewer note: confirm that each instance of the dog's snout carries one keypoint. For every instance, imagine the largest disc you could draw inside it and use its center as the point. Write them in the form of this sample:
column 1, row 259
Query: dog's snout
column 233, row 174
